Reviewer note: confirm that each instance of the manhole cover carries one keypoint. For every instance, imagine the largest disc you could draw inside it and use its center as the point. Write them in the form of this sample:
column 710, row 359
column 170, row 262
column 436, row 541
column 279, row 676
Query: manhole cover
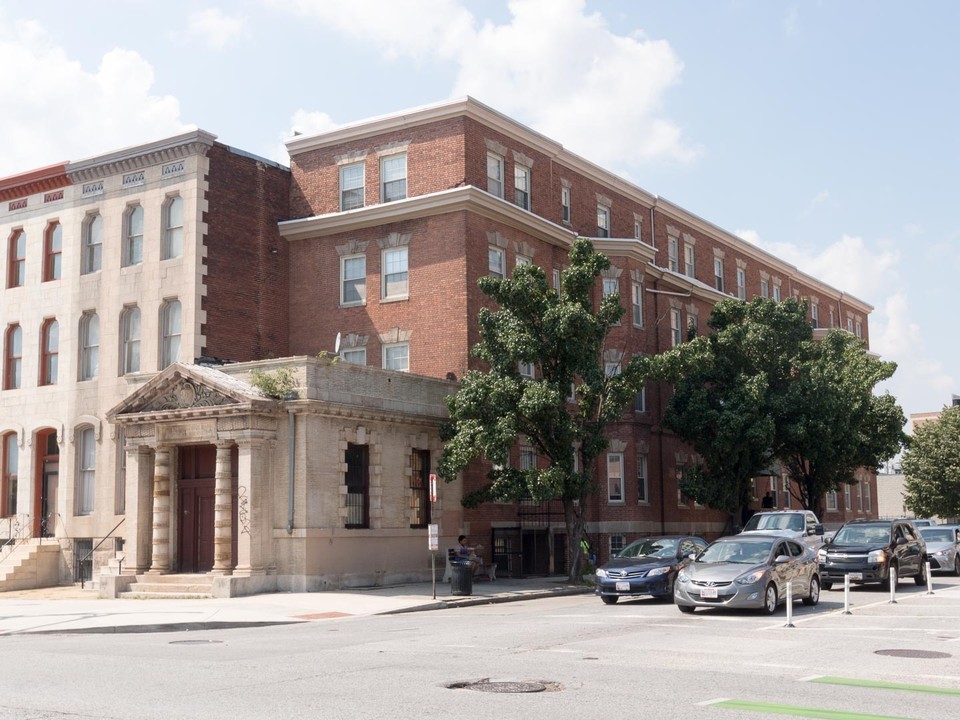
column 504, row 686
column 195, row 642
column 931, row 654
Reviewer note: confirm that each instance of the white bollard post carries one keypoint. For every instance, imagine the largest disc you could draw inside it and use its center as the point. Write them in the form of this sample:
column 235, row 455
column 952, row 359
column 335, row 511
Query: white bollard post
column 846, row 594
column 893, row 586
column 789, row 604
column 929, row 580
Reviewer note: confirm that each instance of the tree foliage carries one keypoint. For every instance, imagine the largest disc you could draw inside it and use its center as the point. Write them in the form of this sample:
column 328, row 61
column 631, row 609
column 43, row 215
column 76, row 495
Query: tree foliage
column 563, row 336
column 932, row 466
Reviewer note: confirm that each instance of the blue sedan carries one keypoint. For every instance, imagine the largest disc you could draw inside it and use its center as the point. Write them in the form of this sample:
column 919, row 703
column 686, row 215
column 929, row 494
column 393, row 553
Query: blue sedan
column 647, row 566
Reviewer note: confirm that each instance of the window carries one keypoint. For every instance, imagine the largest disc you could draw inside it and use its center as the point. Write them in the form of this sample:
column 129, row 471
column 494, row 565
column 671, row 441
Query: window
column 496, row 262
column 521, row 186
column 640, row 401
column 860, row 497
column 846, row 497
column 615, row 477
column 611, row 369
column 673, row 251
column 420, row 489
column 49, row 351
column 173, row 227
column 850, row 325
column 351, row 186
column 495, row 175
column 565, row 204
column 355, row 356
column 786, row 491
column 171, row 324
column 832, row 500
column 689, row 261
column 693, row 325
column 133, row 236
column 393, row 177
column 643, row 489
column 764, row 288
column 396, row 357
column 603, row 221
column 866, row 496
column 526, row 369
column 92, row 238
column 556, row 280
column 357, row 480
column 522, row 260
column 8, row 481
column 833, row 322
column 676, row 327
column 776, row 293
column 774, row 491
column 89, row 346
column 17, row 259
column 637, row 228
column 637, row 304
column 610, row 286
column 528, row 458
column 13, row 357
column 682, row 499
column 130, row 340
column 120, row 482
column 52, row 249
column 395, row 273
column 741, row 283
column 353, row 280
column 859, row 329
column 718, row 273
column 86, row 470
column 815, row 316
column 617, row 544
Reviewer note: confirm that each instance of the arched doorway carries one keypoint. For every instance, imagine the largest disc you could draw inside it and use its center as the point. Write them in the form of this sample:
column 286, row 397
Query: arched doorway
column 46, row 483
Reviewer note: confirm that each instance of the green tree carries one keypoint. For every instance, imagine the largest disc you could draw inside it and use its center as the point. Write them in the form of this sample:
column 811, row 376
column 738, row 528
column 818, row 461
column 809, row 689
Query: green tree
column 729, row 388
column 563, row 337
column 831, row 423
column 932, row 466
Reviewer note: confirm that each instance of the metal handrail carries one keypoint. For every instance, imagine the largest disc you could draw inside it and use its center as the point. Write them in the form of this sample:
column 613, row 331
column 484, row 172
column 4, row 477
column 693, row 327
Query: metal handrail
column 93, row 550
column 17, row 534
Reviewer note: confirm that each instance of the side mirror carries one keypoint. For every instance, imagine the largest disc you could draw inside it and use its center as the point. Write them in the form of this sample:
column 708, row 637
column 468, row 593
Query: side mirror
column 692, row 556
column 781, row 559
column 818, row 529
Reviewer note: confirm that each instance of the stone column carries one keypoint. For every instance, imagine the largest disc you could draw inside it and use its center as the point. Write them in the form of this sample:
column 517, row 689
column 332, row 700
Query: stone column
column 223, row 513
column 161, row 511
column 252, row 512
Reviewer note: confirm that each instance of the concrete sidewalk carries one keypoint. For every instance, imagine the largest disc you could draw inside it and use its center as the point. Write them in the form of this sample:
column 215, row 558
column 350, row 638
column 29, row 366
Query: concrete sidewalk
column 69, row 609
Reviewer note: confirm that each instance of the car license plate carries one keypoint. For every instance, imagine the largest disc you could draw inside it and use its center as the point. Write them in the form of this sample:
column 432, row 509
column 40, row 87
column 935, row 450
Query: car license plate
column 708, row 592
column 623, row 586
column 855, row 575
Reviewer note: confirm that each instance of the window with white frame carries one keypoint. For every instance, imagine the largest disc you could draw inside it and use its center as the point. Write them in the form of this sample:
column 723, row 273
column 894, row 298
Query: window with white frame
column 611, row 369
column 786, row 491
column 353, row 280
column 693, row 325
column 676, row 327
column 689, row 260
column 171, row 325
column 643, row 487
column 86, row 470
column 133, row 235
column 528, row 458
column 718, row 273
column 130, row 340
column 394, row 281
column 92, row 239
column 637, row 229
column 615, row 477
column 832, row 500
column 172, row 227
column 603, row 221
column 846, row 497
column 673, row 252
column 776, row 293
column 617, row 543
column 859, row 329
column 764, row 288
column 89, row 346
column 741, row 283
column 521, row 186
column 637, row 304
column 523, row 260
column 527, row 369
column 640, row 400
column 860, row 497
column 850, row 325
column 833, row 320
column 494, row 174
column 866, row 496
column 393, row 177
column 610, row 287
column 565, row 204
column 397, row 357
column 556, row 280
column 815, row 315
column 354, row 356
column 352, row 192
column 49, row 351
column 775, row 491
column 496, row 262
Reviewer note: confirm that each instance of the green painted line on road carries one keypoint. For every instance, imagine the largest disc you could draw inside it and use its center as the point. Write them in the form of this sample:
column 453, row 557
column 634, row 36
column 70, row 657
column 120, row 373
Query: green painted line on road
column 804, row 712
column 932, row 689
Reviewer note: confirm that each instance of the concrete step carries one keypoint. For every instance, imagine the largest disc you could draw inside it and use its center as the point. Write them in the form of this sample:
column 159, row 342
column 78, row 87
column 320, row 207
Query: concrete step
column 135, row 595
column 179, row 588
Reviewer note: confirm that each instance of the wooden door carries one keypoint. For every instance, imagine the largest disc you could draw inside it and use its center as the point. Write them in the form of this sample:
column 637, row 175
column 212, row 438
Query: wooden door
column 195, row 503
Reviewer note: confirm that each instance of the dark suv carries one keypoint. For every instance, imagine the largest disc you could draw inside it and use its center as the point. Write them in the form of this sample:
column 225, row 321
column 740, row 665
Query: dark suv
column 866, row 550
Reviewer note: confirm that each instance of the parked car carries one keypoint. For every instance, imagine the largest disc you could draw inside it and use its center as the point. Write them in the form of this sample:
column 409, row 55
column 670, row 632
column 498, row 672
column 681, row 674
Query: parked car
column 801, row 524
column 866, row 551
column 750, row 570
column 923, row 522
column 943, row 547
column 647, row 566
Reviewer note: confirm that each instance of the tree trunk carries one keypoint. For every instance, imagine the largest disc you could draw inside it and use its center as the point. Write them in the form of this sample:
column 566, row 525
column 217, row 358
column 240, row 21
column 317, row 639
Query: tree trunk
column 574, row 520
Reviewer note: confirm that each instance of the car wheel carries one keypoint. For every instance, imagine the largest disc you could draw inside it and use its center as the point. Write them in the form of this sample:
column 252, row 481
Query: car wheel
column 770, row 599
column 921, row 577
column 813, row 597
column 956, row 564
column 686, row 608
column 826, row 585
column 609, row 599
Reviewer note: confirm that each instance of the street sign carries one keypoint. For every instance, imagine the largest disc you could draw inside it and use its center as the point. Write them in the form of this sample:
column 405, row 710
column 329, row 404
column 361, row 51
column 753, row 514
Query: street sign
column 433, row 487
column 433, row 536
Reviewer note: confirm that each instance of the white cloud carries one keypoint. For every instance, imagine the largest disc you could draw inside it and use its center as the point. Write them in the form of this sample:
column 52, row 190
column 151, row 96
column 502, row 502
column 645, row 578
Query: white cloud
column 214, row 28
column 65, row 112
column 303, row 122
column 821, row 197
column 553, row 66
column 791, row 23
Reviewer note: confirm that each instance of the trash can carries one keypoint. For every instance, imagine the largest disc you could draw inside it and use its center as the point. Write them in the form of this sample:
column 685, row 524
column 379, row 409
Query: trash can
column 461, row 579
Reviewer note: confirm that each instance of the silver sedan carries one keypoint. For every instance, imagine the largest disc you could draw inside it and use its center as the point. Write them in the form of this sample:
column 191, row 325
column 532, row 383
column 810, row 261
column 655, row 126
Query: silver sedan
column 752, row 571
column 943, row 547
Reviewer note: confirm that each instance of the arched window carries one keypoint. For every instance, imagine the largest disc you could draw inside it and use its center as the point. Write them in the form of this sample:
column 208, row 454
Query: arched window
column 9, row 462
column 170, row 328
column 86, row 470
column 130, row 340
column 17, row 259
column 52, row 249
column 13, row 357
column 92, row 243
column 133, row 235
column 173, row 227
column 49, row 351
column 89, row 346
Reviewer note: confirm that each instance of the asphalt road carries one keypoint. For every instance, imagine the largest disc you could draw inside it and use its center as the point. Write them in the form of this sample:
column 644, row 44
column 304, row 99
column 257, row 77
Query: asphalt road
column 638, row 659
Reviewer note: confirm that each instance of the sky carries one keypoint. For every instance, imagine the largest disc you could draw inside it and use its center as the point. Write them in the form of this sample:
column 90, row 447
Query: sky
column 823, row 131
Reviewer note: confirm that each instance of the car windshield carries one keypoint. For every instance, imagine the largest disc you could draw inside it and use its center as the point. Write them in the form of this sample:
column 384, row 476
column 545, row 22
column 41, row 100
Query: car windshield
column 742, row 553
column 862, row 535
column 651, row 547
column 770, row 521
column 938, row 534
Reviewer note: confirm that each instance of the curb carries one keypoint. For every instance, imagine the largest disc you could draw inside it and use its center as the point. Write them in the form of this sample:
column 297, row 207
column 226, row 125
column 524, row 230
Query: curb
column 469, row 601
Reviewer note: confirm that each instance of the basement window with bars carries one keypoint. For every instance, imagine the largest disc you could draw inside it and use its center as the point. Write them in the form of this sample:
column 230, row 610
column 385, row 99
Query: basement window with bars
column 420, row 489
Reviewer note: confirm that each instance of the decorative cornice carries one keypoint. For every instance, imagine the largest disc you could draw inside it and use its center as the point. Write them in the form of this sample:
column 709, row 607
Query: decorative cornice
column 195, row 142
column 51, row 177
